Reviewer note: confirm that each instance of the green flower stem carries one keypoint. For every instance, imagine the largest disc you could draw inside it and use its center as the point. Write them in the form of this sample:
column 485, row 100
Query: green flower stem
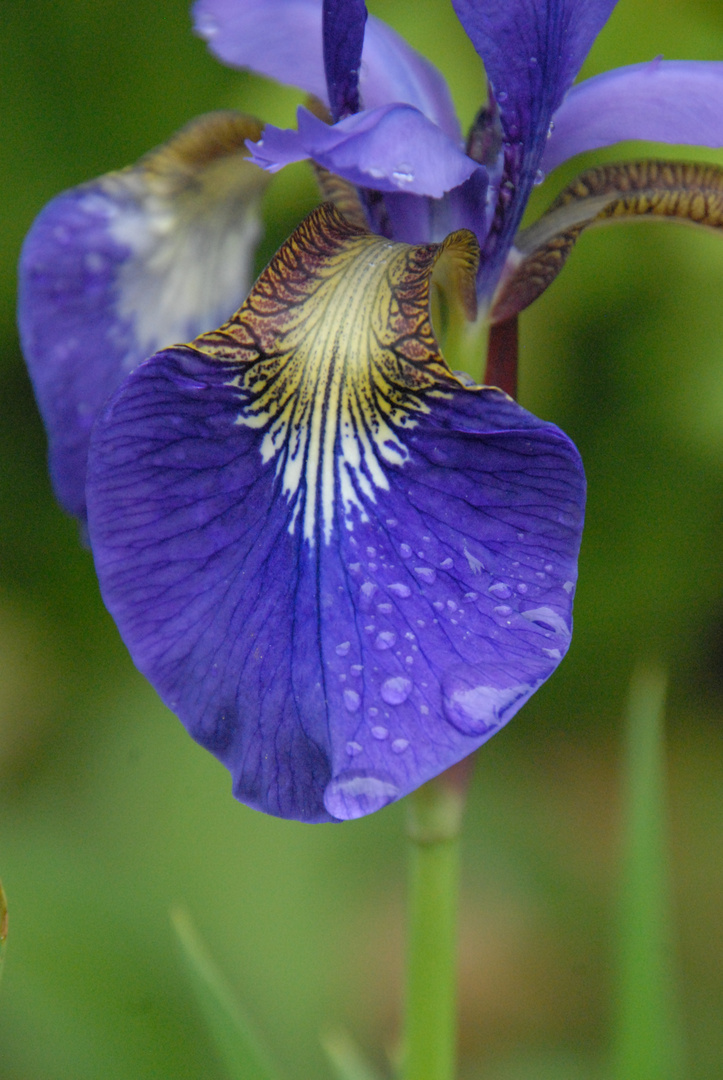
column 434, row 822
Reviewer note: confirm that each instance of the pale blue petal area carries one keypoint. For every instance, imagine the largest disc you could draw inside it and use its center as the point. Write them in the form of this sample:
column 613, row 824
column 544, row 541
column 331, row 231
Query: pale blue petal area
column 332, row 674
column 667, row 101
column 282, row 39
column 392, row 148
column 117, row 268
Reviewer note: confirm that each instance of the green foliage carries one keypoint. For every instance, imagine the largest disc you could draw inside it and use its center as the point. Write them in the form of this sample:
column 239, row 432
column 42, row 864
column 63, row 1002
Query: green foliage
column 238, row 1045
column 648, row 1042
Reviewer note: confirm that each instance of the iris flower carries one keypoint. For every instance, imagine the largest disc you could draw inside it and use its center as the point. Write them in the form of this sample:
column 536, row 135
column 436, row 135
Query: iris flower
column 341, row 564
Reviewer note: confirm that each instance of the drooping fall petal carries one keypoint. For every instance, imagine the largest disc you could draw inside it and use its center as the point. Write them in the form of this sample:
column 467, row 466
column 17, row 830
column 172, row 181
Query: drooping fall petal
column 340, row 566
column 117, row 268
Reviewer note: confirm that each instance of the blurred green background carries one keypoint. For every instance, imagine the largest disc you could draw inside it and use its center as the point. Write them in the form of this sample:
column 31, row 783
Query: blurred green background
column 109, row 814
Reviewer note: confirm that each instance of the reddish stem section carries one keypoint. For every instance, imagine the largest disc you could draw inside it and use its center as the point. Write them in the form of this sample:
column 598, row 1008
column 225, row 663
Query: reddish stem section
column 502, row 354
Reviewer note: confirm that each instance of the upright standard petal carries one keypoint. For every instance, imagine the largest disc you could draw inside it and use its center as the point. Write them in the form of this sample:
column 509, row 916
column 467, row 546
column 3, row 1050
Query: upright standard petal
column 119, row 267
column 532, row 51
column 341, row 567
column 668, row 101
column 343, row 31
column 283, row 40
column 393, row 148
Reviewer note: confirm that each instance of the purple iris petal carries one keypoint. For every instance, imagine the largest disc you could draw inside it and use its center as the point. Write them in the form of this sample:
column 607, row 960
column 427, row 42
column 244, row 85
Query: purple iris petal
column 670, row 101
column 283, row 40
column 393, row 148
column 343, row 23
column 117, row 268
column 332, row 676
column 532, row 51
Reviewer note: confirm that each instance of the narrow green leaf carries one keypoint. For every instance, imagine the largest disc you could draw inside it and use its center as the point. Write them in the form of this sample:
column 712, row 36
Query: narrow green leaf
column 648, row 1042
column 345, row 1057
column 238, row 1046
column 3, row 926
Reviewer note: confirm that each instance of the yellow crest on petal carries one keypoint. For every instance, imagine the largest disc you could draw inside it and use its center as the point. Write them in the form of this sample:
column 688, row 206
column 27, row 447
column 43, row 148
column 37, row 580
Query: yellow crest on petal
column 336, row 358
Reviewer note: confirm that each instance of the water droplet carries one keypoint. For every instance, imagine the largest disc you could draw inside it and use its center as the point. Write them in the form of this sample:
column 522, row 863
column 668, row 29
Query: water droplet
column 539, row 177
column 533, row 61
column 426, row 574
column 503, row 610
column 569, row 586
column 476, row 709
column 521, row 587
column 400, row 745
column 540, row 575
column 447, row 564
column 379, row 732
column 353, row 748
column 384, row 608
column 409, row 635
column 549, row 567
column 409, row 660
column 371, row 552
column 502, row 97
column 206, row 27
column 554, row 654
column 470, row 596
column 451, row 605
column 438, row 605
column 424, row 710
column 421, row 622
column 356, row 669
column 355, row 568
column 370, row 628
column 396, row 690
column 547, row 619
column 400, row 590
column 500, row 589
column 343, row 649
column 356, row 792
column 392, row 522
column 551, row 128
column 368, row 589
column 385, row 640
column 403, row 176
column 352, row 701
column 405, row 551
column 373, row 710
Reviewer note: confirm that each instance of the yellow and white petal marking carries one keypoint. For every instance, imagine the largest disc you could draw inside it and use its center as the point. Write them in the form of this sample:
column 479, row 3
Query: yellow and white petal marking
column 188, row 212
column 338, row 358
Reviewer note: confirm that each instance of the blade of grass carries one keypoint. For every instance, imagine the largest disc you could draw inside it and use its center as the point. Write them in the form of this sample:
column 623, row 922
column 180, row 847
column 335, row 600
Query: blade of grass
column 3, row 926
column 647, row 1034
column 345, row 1057
column 238, row 1045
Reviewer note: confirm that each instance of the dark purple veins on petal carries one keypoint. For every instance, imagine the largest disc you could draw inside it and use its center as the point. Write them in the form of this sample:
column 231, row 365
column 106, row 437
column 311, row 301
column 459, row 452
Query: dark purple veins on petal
column 343, row 33
column 340, row 567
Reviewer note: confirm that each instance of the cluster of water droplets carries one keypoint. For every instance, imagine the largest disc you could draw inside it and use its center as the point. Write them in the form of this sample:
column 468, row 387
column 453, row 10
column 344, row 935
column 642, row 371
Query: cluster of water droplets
column 393, row 686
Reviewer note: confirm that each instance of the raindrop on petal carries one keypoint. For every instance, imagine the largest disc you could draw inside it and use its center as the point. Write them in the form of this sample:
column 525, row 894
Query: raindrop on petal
column 396, row 690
